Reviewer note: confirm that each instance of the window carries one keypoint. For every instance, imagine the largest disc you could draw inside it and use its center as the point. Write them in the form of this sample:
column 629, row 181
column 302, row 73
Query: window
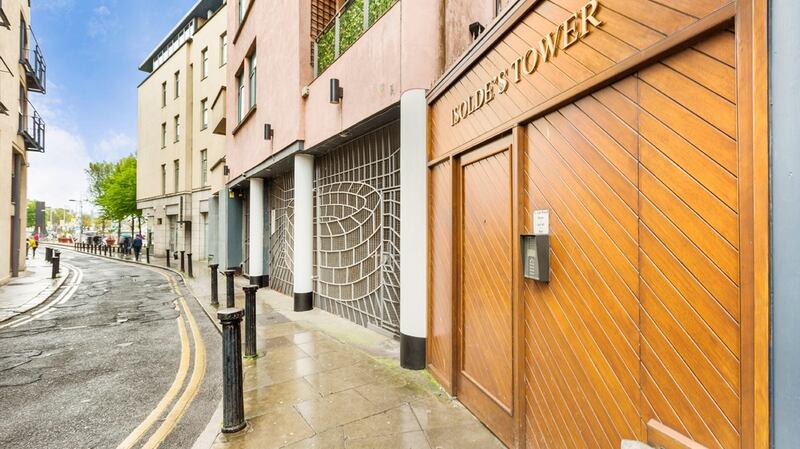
column 177, row 84
column 177, row 128
column 177, row 165
column 205, row 62
column 15, row 163
column 23, row 39
column 164, row 94
column 223, row 49
column 163, row 179
column 204, row 115
column 163, row 135
column 252, row 81
column 203, row 168
column 242, row 8
column 240, row 96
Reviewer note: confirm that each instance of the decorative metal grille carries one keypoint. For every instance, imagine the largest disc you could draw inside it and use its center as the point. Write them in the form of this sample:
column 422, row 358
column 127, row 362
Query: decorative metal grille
column 281, row 191
column 357, row 227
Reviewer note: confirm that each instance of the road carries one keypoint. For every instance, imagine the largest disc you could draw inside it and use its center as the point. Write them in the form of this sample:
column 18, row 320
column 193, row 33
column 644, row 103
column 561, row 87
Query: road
column 122, row 356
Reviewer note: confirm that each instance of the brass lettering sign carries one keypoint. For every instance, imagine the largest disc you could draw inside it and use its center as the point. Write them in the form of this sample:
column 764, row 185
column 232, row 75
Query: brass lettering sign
column 574, row 28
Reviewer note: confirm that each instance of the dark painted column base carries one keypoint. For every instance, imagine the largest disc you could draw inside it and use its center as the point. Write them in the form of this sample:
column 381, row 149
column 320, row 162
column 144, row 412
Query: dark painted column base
column 261, row 281
column 303, row 302
column 412, row 352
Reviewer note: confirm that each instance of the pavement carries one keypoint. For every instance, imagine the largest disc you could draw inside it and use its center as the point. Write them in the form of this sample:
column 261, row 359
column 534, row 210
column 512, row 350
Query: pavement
column 119, row 354
column 31, row 289
column 321, row 381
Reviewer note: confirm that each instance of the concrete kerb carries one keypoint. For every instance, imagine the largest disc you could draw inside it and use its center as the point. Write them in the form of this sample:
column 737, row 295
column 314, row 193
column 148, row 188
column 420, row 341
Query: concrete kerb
column 45, row 295
column 217, row 325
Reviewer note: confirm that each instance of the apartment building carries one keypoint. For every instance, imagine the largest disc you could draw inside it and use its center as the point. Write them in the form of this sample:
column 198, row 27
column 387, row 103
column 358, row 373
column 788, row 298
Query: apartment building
column 176, row 146
column 22, row 129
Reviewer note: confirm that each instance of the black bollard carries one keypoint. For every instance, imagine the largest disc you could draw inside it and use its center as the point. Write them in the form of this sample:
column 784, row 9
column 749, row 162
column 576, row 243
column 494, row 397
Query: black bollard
column 250, row 320
column 147, row 253
column 189, row 261
column 230, row 300
column 214, row 289
column 167, row 258
column 183, row 264
column 48, row 254
column 232, row 381
column 56, row 262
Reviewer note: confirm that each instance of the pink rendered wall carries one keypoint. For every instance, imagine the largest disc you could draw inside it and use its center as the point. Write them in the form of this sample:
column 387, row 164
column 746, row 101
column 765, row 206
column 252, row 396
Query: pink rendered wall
column 279, row 31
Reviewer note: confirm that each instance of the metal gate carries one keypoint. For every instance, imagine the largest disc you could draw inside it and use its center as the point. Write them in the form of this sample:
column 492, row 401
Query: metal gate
column 357, row 227
column 281, row 216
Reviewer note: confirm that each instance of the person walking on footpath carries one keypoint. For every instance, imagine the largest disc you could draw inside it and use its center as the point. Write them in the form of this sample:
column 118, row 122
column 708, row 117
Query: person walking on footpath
column 33, row 242
column 137, row 246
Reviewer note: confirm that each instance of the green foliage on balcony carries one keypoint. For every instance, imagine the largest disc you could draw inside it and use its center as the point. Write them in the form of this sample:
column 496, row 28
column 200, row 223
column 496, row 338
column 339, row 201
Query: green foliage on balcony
column 326, row 48
column 351, row 27
column 377, row 8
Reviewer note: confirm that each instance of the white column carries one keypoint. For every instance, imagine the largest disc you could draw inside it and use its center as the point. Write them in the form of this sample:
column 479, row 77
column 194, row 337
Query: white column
column 222, row 229
column 413, row 229
column 256, row 231
column 303, row 231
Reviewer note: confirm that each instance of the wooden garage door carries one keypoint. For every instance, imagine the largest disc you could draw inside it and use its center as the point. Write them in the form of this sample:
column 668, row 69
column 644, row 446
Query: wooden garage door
column 638, row 331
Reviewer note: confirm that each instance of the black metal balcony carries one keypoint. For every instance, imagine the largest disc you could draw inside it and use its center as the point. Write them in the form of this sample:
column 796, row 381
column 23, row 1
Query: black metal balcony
column 35, row 67
column 4, row 22
column 32, row 130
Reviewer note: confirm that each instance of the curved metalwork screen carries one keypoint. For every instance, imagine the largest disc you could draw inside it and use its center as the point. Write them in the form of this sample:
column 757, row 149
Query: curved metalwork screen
column 281, row 202
column 358, row 229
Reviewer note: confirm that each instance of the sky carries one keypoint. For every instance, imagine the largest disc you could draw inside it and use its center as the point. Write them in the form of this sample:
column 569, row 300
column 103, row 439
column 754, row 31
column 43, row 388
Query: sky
column 92, row 49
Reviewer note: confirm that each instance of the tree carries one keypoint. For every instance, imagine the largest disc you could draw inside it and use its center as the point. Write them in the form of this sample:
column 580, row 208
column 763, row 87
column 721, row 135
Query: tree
column 97, row 173
column 31, row 212
column 117, row 192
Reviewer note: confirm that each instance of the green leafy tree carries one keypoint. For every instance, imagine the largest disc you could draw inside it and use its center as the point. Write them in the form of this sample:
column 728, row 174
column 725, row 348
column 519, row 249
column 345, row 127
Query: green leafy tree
column 117, row 193
column 31, row 212
column 97, row 173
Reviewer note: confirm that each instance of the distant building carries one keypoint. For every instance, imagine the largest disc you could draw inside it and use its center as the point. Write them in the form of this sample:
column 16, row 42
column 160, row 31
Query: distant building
column 22, row 129
column 177, row 150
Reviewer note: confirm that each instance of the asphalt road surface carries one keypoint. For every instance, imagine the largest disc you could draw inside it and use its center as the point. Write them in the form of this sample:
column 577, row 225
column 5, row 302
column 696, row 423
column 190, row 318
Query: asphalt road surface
column 121, row 356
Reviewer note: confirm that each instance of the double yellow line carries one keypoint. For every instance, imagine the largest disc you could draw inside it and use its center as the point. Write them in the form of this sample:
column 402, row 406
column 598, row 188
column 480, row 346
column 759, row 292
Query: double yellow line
column 188, row 394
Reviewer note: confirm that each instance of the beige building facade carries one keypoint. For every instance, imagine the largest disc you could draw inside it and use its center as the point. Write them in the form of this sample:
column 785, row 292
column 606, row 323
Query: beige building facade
column 177, row 149
column 22, row 71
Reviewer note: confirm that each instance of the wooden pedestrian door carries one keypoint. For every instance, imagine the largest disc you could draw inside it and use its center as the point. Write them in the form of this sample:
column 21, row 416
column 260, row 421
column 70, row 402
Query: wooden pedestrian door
column 485, row 380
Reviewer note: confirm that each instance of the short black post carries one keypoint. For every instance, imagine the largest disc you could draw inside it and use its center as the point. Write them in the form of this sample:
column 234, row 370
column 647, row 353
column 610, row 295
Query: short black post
column 189, row 261
column 183, row 263
column 250, row 320
column 48, row 254
column 214, row 289
column 167, row 258
column 105, row 250
column 230, row 300
column 232, row 379
column 55, row 266
column 147, row 253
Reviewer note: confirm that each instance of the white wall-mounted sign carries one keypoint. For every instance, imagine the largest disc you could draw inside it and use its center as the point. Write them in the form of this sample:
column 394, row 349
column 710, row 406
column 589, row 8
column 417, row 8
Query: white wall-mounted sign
column 541, row 222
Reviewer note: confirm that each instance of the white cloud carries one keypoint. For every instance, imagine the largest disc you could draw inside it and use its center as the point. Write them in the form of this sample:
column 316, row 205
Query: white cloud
column 51, row 5
column 100, row 22
column 114, row 146
column 58, row 175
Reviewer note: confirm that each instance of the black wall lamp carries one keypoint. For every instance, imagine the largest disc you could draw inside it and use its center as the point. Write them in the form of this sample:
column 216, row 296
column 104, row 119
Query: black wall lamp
column 337, row 93
column 475, row 29
column 269, row 133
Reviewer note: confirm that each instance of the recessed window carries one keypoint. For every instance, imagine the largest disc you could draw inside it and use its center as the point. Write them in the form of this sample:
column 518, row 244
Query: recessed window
column 163, row 179
column 251, row 62
column 223, row 49
column 203, row 168
column 177, row 84
column 164, row 94
column 242, row 9
column 240, row 96
column 163, row 135
column 177, row 167
column 204, row 113
column 177, row 128
column 204, row 54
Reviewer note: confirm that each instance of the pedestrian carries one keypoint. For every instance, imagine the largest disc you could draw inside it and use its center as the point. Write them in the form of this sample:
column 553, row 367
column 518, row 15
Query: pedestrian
column 34, row 243
column 137, row 246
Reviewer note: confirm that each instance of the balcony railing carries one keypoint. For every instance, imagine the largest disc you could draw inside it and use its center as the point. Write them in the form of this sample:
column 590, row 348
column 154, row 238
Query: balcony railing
column 32, row 129
column 352, row 21
column 4, row 22
column 35, row 67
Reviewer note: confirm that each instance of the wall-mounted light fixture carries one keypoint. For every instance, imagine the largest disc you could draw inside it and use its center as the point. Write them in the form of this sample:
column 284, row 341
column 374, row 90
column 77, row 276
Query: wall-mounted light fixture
column 269, row 133
column 337, row 93
column 226, row 170
column 475, row 29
